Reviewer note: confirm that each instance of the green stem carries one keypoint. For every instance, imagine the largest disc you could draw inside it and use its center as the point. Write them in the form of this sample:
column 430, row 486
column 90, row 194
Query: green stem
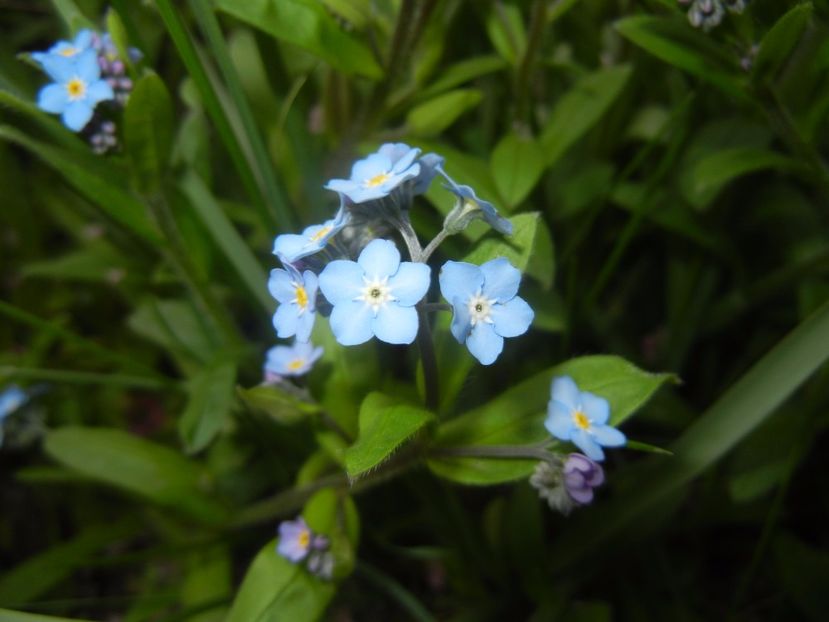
column 428, row 359
column 520, row 452
column 432, row 246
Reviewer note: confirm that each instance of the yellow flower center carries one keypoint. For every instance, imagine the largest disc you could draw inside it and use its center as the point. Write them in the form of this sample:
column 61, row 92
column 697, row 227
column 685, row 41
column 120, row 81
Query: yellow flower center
column 296, row 365
column 76, row 88
column 376, row 180
column 301, row 297
column 70, row 51
column 320, row 234
column 581, row 420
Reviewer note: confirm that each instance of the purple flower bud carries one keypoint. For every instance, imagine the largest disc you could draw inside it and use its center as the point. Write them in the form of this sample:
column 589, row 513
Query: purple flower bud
column 117, row 67
column 113, row 83
column 581, row 476
column 125, row 84
column 108, row 127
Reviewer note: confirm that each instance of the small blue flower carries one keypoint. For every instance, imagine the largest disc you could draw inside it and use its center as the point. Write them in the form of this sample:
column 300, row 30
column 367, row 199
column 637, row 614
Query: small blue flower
column 468, row 202
column 77, row 89
column 295, row 360
column 10, row 400
column 295, row 539
column 375, row 296
column 581, row 417
column 313, row 239
column 378, row 174
column 83, row 41
column 297, row 296
column 485, row 306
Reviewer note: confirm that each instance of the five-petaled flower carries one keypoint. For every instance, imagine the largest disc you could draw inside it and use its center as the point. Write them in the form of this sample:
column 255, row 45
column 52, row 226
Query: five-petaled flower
column 375, row 296
column 313, row 239
column 297, row 295
column 83, row 41
column 295, row 539
column 378, row 174
column 581, row 417
column 294, row 360
column 77, row 89
column 485, row 305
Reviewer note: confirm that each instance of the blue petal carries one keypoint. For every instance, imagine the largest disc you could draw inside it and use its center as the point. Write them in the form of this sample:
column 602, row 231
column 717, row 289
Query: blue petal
column 53, row 98
column 280, row 285
column 501, row 279
column 459, row 279
column 380, row 258
column 607, row 436
column 585, row 442
column 83, row 39
column 304, row 326
column 512, row 318
column 285, row 320
column 99, row 91
column 395, row 324
column 565, row 391
column 373, row 165
column 461, row 322
column 311, row 286
column 351, row 322
column 344, row 186
column 559, row 422
column 406, row 161
column 429, row 165
column 395, row 180
column 484, row 344
column 411, row 283
column 290, row 246
column 341, row 281
column 77, row 115
column 87, row 67
column 596, row 408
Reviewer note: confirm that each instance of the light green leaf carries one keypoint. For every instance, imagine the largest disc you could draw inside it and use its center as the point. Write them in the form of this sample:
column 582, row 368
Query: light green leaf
column 780, row 41
column 517, row 164
column 307, row 24
column 580, row 109
column 276, row 589
column 505, row 27
column 208, row 407
column 384, row 425
column 148, row 131
column 674, row 41
column 280, row 402
column 137, row 466
column 434, row 116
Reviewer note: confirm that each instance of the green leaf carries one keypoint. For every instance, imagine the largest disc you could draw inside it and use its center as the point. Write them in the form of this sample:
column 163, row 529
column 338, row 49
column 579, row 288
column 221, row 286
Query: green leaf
column 148, row 131
column 176, row 326
column 276, row 589
column 516, row 417
column 517, row 164
column 280, row 402
column 93, row 178
column 740, row 410
column 529, row 248
column 227, row 238
column 137, row 466
column 306, row 23
column 580, row 109
column 674, row 41
column 208, row 407
column 780, row 42
column 434, row 116
column 462, row 72
column 505, row 27
column 118, row 32
column 6, row 615
column 384, row 426
column 72, row 16
column 97, row 262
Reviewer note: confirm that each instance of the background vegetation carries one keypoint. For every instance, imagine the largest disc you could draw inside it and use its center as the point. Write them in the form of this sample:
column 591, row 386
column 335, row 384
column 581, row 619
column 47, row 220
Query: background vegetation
column 671, row 185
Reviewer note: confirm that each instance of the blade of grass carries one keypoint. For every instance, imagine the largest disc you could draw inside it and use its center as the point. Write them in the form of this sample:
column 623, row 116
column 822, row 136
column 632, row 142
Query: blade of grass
column 83, row 377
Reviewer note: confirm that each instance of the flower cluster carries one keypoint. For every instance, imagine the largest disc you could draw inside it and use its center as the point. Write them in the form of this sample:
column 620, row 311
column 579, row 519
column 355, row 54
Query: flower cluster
column 298, row 544
column 707, row 14
column 565, row 484
column 369, row 290
column 85, row 72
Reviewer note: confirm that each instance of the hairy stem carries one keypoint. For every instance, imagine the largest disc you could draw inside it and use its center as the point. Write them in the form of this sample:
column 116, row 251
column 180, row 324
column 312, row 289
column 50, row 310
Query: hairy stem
column 431, row 246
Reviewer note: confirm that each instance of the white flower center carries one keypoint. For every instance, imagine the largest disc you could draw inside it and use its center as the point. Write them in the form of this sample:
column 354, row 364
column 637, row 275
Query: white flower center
column 376, row 293
column 480, row 309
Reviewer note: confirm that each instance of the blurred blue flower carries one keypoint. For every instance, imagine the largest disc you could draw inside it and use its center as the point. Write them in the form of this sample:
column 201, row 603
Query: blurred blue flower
column 77, row 88
column 470, row 204
column 581, row 476
column 295, row 360
column 375, row 296
column 485, row 306
column 10, row 401
column 313, row 239
column 378, row 174
column 67, row 49
column 295, row 540
column 581, row 417
column 297, row 296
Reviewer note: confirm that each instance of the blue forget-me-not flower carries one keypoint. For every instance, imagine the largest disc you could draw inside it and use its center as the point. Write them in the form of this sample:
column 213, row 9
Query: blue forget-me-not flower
column 485, row 305
column 83, row 41
column 379, row 174
column 295, row 539
column 581, row 417
column 297, row 295
column 10, row 400
column 470, row 206
column 77, row 89
column 313, row 239
column 375, row 296
column 294, row 360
